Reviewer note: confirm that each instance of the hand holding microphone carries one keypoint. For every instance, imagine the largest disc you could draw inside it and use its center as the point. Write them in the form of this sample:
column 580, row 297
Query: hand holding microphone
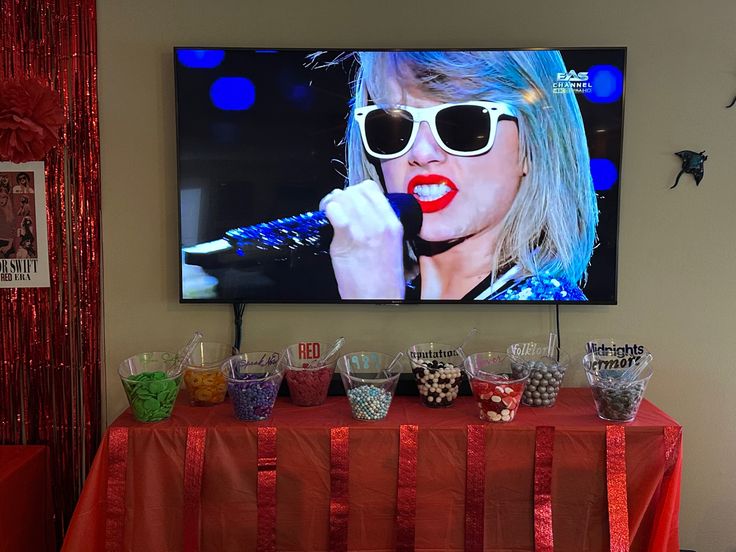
column 355, row 212
column 368, row 245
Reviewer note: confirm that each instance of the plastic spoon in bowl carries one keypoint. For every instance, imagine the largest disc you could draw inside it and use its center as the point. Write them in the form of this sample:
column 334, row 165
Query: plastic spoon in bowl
column 187, row 351
column 470, row 335
column 332, row 351
column 632, row 372
column 552, row 345
column 389, row 369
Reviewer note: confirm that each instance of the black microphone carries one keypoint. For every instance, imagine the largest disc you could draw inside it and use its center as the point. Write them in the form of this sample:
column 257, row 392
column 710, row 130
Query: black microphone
column 288, row 239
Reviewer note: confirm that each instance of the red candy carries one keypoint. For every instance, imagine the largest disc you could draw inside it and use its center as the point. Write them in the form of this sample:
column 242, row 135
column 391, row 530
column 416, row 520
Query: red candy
column 498, row 400
column 309, row 387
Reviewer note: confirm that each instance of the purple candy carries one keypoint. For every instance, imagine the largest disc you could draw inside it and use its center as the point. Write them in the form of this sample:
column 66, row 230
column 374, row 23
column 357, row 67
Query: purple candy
column 252, row 400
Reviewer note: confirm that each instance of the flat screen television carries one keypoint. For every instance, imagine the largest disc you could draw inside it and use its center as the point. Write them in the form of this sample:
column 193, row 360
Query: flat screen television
column 398, row 176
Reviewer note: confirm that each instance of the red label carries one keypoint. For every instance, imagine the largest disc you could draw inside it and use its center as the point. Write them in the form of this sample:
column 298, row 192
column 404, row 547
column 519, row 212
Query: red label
column 309, row 350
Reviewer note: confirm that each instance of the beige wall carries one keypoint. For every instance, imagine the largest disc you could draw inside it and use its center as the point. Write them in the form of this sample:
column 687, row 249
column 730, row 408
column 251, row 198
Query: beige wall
column 677, row 258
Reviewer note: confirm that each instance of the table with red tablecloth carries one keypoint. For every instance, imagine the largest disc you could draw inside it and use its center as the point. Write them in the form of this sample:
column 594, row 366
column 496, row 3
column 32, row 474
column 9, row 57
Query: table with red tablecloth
column 26, row 513
column 312, row 478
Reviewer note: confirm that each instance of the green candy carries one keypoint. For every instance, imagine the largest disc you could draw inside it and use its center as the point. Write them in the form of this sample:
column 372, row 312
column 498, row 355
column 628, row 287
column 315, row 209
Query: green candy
column 137, row 405
column 152, row 404
column 151, row 395
column 141, row 392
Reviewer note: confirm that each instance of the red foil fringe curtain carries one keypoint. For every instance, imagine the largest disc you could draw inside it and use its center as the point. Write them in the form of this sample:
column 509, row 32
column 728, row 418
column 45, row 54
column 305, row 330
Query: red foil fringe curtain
column 50, row 338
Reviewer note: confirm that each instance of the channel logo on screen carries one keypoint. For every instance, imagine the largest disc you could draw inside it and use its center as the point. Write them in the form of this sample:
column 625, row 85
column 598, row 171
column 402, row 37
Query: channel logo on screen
column 572, row 82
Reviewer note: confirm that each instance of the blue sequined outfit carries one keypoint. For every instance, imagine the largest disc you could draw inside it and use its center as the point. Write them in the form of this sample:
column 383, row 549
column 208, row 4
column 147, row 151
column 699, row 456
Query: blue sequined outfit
column 541, row 287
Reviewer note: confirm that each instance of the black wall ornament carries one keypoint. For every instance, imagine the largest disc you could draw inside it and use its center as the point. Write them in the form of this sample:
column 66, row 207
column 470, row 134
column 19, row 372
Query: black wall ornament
column 732, row 102
column 692, row 163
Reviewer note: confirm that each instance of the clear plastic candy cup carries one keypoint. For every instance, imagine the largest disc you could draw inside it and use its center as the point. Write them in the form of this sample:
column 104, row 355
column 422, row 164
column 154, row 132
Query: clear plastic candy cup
column 203, row 378
column 151, row 382
column 618, row 374
column 370, row 380
column 543, row 365
column 253, row 381
column 309, row 378
column 437, row 369
column 497, row 392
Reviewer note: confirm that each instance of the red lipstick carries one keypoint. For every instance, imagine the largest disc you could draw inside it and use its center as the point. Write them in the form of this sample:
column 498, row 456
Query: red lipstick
column 434, row 192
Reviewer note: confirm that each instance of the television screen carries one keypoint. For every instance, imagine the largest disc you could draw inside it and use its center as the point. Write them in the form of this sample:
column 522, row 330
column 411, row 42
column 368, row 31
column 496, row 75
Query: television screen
column 392, row 176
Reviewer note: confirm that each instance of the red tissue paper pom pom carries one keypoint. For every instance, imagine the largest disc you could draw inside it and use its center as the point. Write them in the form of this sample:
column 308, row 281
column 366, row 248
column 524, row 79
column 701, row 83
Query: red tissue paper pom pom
column 30, row 118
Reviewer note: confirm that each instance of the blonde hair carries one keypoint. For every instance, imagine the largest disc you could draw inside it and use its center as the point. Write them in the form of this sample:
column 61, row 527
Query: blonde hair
column 551, row 224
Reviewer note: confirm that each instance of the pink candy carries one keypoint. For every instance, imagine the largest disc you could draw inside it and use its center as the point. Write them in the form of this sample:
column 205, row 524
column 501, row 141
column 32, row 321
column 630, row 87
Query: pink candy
column 308, row 387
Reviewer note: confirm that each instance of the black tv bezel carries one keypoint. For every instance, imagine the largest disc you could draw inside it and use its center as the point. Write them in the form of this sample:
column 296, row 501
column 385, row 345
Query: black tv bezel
column 234, row 301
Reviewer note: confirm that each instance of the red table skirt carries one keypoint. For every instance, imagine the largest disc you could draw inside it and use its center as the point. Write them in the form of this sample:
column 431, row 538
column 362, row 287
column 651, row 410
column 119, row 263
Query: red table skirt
column 26, row 513
column 192, row 482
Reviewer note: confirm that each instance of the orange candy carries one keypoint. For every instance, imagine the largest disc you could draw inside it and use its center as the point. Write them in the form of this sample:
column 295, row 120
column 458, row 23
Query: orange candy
column 205, row 387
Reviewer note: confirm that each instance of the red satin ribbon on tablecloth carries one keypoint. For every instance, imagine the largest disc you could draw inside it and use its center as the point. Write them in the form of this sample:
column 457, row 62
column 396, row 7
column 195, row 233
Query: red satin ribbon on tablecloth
column 618, row 509
column 406, row 492
column 543, row 453
column 475, row 488
column 193, row 468
column 266, row 489
column 117, row 466
column 339, row 497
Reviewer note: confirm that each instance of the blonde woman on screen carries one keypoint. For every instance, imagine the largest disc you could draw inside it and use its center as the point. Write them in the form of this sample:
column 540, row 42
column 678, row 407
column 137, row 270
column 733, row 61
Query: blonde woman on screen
column 498, row 163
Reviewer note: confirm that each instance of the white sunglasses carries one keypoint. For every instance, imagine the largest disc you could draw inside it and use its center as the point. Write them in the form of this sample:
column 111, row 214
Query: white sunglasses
column 464, row 129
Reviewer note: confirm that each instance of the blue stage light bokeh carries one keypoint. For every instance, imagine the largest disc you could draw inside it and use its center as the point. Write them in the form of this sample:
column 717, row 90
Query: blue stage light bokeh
column 604, row 173
column 200, row 59
column 233, row 93
column 607, row 84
